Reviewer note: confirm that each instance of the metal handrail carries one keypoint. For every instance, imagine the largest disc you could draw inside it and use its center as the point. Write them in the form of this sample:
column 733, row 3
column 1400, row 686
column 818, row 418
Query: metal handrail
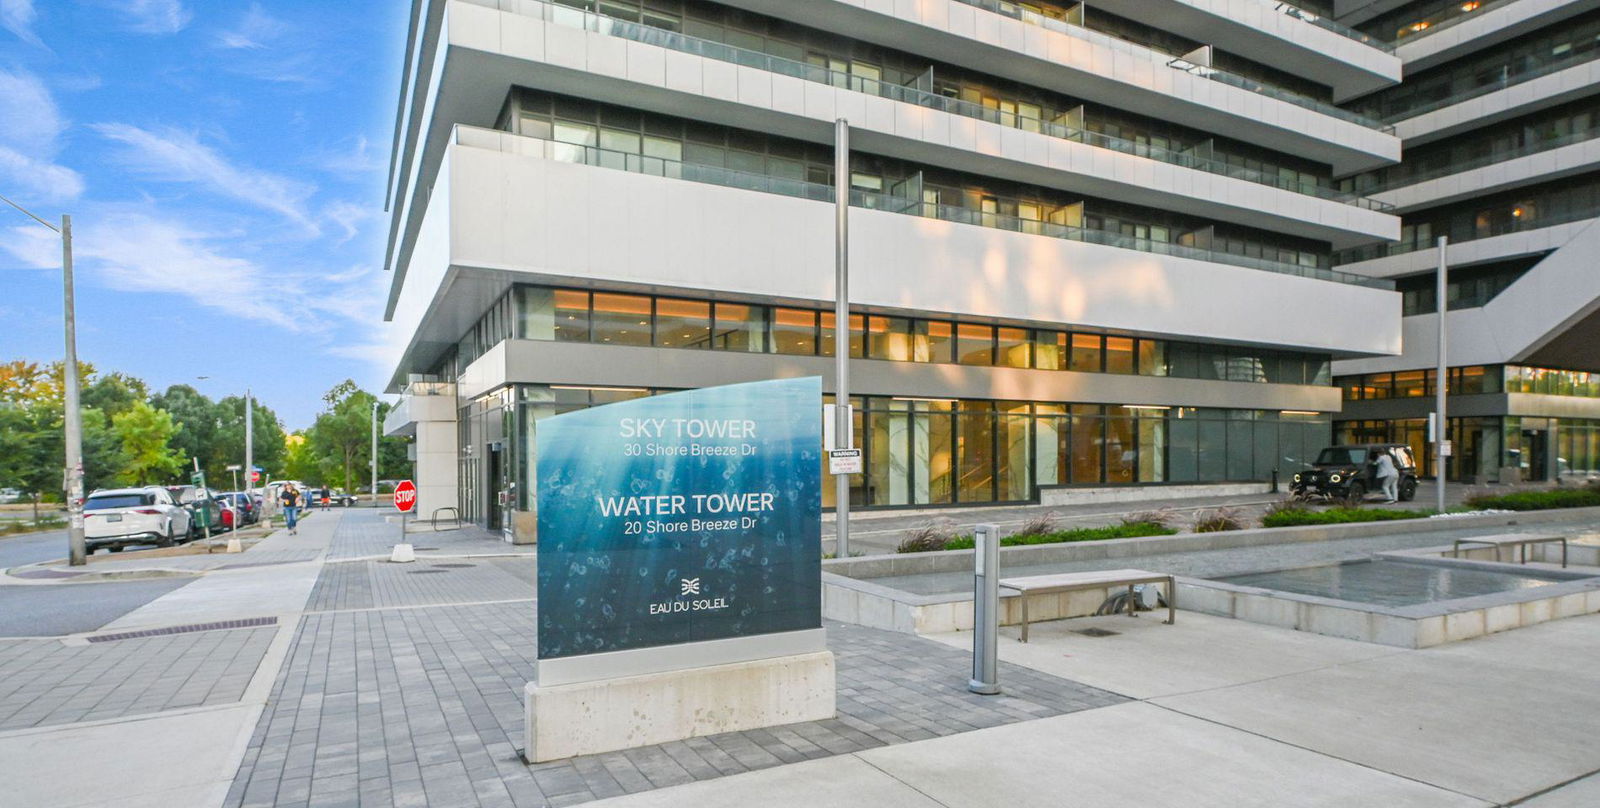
column 1371, row 252
column 509, row 142
column 1313, row 18
column 710, row 49
column 1537, row 147
column 1507, row 79
column 1016, row 12
column 1450, row 15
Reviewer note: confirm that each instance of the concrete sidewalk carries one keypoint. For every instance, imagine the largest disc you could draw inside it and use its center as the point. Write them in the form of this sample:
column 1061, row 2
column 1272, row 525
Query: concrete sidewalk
column 159, row 719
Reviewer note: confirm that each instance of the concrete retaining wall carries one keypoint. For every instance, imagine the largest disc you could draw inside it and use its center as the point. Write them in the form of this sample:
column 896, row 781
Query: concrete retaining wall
column 894, row 564
column 1078, row 495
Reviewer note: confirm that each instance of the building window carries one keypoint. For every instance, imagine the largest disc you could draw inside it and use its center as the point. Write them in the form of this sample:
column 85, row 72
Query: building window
column 683, row 323
column 740, row 328
column 621, row 319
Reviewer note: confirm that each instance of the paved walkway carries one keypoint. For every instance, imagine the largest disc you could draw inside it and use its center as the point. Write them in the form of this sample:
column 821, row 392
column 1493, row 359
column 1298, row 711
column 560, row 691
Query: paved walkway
column 358, row 682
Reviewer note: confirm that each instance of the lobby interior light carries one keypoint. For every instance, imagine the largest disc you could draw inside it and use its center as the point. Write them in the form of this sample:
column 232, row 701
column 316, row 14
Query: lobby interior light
column 1146, row 407
column 918, row 398
column 596, row 387
column 1298, row 412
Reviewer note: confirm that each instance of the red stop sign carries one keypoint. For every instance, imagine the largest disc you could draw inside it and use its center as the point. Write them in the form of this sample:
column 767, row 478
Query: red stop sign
column 405, row 496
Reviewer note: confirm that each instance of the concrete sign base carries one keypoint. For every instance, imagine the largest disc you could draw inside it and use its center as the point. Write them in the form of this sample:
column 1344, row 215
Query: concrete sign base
column 607, row 715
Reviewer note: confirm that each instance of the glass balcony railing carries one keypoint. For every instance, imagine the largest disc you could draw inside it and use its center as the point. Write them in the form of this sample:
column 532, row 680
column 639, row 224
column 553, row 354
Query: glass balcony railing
column 511, row 143
column 1447, row 16
column 1525, row 68
column 1017, row 12
column 672, row 40
column 1312, row 17
column 1401, row 180
column 1498, row 226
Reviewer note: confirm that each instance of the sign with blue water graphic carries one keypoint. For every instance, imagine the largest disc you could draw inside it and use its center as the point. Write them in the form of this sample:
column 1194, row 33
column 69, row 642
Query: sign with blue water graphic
column 679, row 518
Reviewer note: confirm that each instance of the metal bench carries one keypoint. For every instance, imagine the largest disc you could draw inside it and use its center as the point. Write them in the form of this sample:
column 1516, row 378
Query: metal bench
column 1098, row 579
column 1521, row 540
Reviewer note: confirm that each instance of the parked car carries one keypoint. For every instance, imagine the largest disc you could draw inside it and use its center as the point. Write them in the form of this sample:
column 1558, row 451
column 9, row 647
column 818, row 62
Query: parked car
column 202, row 505
column 121, row 517
column 249, row 506
column 1349, row 472
column 341, row 499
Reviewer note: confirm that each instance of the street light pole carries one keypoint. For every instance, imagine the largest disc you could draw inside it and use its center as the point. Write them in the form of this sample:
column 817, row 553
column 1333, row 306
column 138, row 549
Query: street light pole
column 73, row 420
column 841, row 329
column 1441, row 379
column 374, row 489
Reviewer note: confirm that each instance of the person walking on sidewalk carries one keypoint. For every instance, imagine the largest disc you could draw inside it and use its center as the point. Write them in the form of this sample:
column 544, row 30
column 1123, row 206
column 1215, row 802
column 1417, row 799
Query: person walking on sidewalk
column 289, row 498
column 325, row 495
column 1388, row 476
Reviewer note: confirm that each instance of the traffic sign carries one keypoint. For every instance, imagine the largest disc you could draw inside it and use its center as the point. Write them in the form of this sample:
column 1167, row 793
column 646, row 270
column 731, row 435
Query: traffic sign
column 255, row 476
column 405, row 496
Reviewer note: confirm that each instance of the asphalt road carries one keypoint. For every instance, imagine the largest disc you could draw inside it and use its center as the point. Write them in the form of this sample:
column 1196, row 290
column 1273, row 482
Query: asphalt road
column 48, row 611
column 31, row 548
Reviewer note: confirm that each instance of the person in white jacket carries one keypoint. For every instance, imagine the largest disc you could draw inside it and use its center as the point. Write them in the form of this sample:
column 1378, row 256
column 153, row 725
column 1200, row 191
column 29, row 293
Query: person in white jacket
column 1388, row 476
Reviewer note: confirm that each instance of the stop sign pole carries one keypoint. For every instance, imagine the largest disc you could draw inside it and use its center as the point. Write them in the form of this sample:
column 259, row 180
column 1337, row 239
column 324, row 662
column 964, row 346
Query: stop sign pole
column 405, row 501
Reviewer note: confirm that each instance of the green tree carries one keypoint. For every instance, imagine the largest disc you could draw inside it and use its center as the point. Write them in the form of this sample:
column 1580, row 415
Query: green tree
column 341, row 437
column 115, row 393
column 147, row 434
column 299, row 463
column 200, row 418
column 227, row 444
column 26, row 462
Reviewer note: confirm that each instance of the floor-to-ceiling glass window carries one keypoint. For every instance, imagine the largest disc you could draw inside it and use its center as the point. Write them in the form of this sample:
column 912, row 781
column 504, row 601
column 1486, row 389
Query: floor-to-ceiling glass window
column 1014, row 468
column 975, row 439
column 1088, row 443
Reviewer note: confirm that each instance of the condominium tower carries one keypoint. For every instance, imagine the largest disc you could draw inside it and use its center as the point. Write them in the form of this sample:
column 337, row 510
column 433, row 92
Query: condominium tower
column 1498, row 112
column 1091, row 245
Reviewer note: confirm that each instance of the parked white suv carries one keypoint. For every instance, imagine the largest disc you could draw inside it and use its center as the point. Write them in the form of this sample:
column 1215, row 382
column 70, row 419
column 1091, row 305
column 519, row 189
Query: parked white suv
column 124, row 516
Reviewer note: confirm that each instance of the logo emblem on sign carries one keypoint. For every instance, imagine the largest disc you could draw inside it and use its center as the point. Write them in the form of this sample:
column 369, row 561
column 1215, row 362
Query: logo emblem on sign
column 691, row 586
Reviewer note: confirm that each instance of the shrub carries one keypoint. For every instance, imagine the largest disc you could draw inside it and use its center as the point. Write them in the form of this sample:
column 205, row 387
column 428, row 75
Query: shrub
column 1538, row 500
column 1163, row 517
column 931, row 535
column 1221, row 519
column 1290, row 506
column 1040, row 523
column 1124, row 531
column 1289, row 517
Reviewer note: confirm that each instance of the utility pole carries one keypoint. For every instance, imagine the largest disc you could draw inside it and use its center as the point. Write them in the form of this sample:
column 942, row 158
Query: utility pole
column 73, row 477
column 74, row 418
column 374, row 489
column 841, row 328
column 1441, row 431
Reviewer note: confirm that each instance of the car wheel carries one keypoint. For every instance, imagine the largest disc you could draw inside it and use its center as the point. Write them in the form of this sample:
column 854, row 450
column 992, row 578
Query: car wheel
column 169, row 540
column 1408, row 490
column 1357, row 492
column 115, row 548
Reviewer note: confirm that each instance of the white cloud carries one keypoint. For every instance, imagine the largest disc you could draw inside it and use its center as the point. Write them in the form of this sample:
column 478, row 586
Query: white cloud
column 40, row 179
column 179, row 156
column 349, row 216
column 359, row 158
column 31, row 127
column 154, row 16
column 254, row 32
column 17, row 17
column 29, row 117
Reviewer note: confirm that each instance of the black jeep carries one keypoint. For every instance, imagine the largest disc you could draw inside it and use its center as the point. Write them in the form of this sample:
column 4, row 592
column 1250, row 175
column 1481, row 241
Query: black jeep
column 1349, row 472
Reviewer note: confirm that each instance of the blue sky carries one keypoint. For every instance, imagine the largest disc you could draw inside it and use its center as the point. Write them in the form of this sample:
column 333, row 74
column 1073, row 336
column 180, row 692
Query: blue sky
column 224, row 166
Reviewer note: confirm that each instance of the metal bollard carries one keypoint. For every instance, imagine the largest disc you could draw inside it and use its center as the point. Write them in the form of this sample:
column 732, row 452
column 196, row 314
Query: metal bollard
column 985, row 611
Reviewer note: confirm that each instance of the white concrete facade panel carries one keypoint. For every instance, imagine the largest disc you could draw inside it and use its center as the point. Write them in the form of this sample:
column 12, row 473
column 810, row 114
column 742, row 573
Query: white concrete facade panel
column 542, row 219
column 1270, row 35
column 1468, row 253
column 1097, row 67
column 1559, row 291
column 1505, row 175
column 1483, row 29
column 1518, row 99
column 759, row 99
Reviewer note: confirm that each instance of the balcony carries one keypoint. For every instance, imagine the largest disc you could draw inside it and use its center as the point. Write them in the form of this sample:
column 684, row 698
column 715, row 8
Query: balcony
column 515, row 209
column 1457, row 33
column 1536, row 162
column 1528, row 83
column 1517, row 239
column 1282, row 36
column 708, row 49
column 716, row 175
column 1007, row 40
